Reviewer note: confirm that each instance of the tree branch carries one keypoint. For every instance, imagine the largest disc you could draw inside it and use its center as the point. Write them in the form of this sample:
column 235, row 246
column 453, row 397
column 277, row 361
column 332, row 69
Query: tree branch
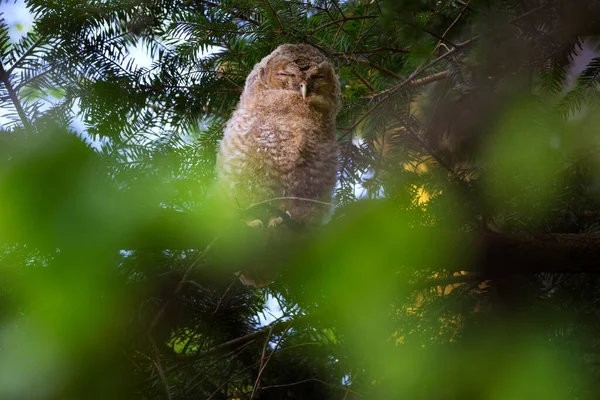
column 31, row 79
column 28, row 52
column 275, row 16
column 342, row 21
column 5, row 78
column 429, row 79
column 489, row 253
column 493, row 254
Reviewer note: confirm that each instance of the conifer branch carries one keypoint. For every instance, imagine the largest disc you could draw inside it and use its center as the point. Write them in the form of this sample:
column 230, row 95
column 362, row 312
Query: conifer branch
column 25, row 82
column 275, row 16
column 429, row 150
column 342, row 21
column 24, row 55
column 238, row 15
column 386, row 94
column 385, row 71
column 5, row 78
column 363, row 80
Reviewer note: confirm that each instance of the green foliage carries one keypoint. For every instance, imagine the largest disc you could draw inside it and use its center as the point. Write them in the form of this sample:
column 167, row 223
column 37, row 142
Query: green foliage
column 457, row 117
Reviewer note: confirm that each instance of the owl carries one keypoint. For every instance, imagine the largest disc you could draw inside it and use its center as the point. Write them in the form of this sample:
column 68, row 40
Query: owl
column 280, row 140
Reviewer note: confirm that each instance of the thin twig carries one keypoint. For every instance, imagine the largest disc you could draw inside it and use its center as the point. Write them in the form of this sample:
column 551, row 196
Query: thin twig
column 438, row 76
column 371, row 51
column 275, row 16
column 160, row 370
column 430, row 64
column 311, row 380
column 389, row 92
column 440, row 38
column 263, row 366
column 533, row 11
column 242, row 340
column 224, row 294
column 342, row 21
column 364, row 81
column 371, row 64
column 340, row 28
column 287, row 198
column 460, row 14
column 262, row 363
column 225, row 383
column 427, row 148
column 181, row 283
column 338, row 8
column 386, row 94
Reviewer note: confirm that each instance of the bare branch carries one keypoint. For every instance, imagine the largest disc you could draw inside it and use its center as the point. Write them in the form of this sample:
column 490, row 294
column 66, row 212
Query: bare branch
column 160, row 369
column 264, row 365
column 429, row 79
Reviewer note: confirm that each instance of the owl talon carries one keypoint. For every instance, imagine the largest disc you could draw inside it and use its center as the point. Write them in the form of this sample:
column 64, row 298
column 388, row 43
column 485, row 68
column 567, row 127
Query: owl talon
column 275, row 221
column 255, row 281
column 255, row 223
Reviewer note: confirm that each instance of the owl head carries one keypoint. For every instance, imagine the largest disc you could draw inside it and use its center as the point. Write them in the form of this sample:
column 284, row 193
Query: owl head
column 299, row 71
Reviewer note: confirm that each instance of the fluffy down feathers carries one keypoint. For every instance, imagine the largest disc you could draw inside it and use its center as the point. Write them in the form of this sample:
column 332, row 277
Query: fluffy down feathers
column 279, row 144
column 280, row 140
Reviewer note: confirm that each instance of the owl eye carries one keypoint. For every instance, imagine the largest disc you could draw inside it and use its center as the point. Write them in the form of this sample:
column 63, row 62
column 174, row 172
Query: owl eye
column 318, row 76
column 281, row 73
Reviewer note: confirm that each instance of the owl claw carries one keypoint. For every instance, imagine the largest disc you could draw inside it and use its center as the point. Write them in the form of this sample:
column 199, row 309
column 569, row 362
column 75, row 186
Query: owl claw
column 255, row 223
column 275, row 221
column 258, row 281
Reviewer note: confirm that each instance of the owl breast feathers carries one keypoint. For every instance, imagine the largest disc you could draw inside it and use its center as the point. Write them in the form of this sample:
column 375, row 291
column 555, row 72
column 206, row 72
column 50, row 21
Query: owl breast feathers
column 280, row 140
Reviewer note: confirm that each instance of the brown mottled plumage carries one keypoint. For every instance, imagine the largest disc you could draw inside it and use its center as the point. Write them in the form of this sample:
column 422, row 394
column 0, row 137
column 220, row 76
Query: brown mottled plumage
column 280, row 141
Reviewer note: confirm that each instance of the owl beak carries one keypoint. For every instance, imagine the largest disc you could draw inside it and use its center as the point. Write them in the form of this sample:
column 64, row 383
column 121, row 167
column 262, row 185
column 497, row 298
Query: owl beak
column 303, row 90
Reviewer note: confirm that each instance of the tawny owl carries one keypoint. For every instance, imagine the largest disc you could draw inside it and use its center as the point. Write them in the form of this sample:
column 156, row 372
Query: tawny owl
column 280, row 140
